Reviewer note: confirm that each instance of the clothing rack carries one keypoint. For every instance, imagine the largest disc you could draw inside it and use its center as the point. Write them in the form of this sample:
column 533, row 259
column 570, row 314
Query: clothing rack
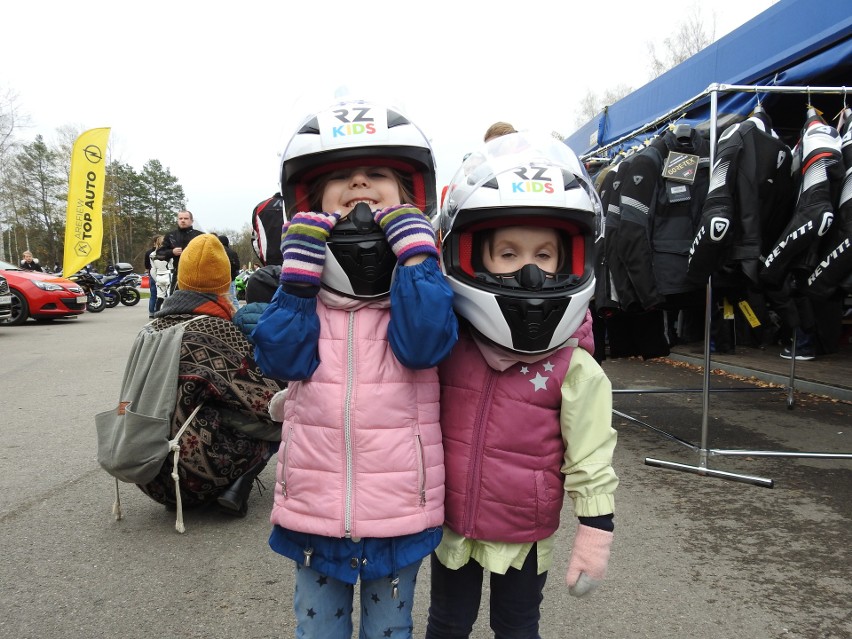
column 702, row 449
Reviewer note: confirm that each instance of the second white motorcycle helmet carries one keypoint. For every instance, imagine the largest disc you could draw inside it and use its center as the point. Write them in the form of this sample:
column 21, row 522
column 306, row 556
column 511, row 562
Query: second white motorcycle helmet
column 521, row 179
column 359, row 262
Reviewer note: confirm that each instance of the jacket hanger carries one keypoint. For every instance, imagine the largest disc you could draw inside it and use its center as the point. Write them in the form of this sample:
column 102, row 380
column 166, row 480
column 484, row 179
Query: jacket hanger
column 683, row 132
column 760, row 114
column 845, row 113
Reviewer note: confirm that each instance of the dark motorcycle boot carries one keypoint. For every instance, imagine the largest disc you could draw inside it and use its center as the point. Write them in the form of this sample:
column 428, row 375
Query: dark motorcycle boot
column 234, row 500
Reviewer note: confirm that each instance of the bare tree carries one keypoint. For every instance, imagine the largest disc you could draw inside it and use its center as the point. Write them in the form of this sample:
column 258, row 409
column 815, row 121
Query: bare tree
column 11, row 119
column 592, row 103
column 690, row 37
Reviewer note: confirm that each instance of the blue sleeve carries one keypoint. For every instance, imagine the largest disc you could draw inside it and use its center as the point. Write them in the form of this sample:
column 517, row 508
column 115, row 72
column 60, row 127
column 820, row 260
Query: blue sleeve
column 247, row 316
column 286, row 339
column 423, row 327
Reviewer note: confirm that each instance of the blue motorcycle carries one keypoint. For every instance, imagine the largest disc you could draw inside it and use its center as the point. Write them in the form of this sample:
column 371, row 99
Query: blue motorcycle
column 121, row 286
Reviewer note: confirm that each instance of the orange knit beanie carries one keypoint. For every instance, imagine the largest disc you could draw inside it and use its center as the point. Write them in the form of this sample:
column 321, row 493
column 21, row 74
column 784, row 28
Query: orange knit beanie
column 204, row 266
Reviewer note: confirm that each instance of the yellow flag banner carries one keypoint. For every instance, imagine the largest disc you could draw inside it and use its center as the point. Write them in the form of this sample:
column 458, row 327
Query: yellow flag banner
column 84, row 229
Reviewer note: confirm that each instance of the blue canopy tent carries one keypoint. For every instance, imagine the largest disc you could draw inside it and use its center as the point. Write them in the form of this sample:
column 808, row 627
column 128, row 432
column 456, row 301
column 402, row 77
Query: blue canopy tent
column 794, row 42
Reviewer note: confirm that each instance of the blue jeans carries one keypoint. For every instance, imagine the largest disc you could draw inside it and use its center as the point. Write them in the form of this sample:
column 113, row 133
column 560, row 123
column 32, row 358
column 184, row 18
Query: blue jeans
column 152, row 301
column 323, row 606
column 515, row 600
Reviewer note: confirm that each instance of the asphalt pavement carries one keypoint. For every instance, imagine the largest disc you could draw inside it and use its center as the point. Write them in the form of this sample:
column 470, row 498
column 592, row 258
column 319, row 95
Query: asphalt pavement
column 694, row 556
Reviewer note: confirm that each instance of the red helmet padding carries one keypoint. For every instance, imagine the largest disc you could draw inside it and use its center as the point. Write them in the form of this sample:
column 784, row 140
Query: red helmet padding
column 465, row 248
column 418, row 186
column 578, row 255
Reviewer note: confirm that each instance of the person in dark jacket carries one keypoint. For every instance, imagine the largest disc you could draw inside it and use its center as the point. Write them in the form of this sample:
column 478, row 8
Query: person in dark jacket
column 176, row 241
column 29, row 263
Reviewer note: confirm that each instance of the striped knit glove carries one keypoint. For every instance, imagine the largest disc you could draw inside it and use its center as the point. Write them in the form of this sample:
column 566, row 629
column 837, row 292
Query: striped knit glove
column 589, row 560
column 409, row 232
column 303, row 247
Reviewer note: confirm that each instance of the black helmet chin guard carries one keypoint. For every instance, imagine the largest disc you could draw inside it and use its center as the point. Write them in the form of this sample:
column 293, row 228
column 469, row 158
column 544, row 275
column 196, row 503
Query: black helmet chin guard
column 362, row 252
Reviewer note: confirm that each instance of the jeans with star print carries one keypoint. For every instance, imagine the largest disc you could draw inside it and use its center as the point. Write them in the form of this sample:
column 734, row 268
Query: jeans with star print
column 323, row 605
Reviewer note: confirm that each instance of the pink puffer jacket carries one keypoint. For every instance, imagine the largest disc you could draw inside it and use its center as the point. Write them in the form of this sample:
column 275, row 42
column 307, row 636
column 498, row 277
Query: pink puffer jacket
column 361, row 452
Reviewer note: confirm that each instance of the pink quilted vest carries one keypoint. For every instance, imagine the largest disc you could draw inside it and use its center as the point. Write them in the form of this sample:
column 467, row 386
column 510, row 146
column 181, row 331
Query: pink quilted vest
column 361, row 451
column 503, row 446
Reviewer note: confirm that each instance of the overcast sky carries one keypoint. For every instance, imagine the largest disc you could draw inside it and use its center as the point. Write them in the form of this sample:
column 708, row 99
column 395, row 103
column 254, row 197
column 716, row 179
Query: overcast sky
column 214, row 93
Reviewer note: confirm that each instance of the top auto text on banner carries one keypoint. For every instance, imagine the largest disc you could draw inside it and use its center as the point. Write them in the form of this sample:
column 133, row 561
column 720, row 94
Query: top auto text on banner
column 84, row 231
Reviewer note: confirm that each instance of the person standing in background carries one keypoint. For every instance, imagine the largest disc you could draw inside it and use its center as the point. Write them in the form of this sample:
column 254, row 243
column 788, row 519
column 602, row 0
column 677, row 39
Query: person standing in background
column 176, row 240
column 162, row 272
column 29, row 263
column 152, row 283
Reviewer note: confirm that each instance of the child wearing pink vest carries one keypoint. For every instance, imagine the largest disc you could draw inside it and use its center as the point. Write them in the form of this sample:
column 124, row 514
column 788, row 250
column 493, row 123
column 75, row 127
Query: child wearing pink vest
column 525, row 408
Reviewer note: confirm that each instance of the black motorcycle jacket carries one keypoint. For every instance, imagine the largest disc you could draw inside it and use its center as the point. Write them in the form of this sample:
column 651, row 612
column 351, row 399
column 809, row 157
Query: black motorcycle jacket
column 748, row 204
column 820, row 177
column 176, row 238
column 606, row 298
column 833, row 269
column 659, row 217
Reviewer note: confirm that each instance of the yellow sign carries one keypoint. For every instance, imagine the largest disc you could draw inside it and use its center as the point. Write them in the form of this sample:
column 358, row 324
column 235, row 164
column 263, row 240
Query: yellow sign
column 84, row 230
column 748, row 311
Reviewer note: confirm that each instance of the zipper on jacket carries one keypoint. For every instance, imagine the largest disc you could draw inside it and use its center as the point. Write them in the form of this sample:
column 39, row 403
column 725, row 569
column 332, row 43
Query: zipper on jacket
column 476, row 442
column 285, row 459
column 395, row 588
column 395, row 579
column 421, row 469
column 307, row 552
column 347, row 418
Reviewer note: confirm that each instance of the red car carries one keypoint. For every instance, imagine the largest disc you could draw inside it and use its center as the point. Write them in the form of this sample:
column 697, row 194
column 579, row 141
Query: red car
column 40, row 295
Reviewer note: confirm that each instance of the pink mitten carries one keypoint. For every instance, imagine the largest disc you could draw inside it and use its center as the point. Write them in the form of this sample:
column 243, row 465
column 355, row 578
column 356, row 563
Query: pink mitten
column 589, row 559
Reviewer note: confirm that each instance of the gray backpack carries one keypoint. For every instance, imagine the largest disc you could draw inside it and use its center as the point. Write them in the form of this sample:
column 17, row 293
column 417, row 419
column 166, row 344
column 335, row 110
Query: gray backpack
column 133, row 439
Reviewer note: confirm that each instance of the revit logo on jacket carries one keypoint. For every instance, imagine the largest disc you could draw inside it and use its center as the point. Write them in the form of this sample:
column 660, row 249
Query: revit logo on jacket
column 718, row 227
column 825, row 223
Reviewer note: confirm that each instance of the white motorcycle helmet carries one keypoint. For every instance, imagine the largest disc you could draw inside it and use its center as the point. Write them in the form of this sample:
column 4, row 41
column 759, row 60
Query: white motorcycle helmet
column 521, row 179
column 359, row 262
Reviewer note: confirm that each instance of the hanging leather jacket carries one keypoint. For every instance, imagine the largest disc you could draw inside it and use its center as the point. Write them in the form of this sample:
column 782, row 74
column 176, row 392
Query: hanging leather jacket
column 659, row 217
column 606, row 299
column 820, row 176
column 833, row 269
column 748, row 205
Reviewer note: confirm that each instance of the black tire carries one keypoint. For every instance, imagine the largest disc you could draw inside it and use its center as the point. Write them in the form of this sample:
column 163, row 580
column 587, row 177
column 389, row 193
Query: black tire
column 129, row 296
column 111, row 296
column 96, row 302
column 20, row 310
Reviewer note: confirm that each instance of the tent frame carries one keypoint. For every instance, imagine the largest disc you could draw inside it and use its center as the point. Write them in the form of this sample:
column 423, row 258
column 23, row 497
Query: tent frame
column 704, row 452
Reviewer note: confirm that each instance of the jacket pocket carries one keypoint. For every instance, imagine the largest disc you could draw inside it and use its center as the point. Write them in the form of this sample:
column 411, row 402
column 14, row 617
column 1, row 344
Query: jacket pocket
column 285, row 454
column 543, row 498
column 421, row 469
